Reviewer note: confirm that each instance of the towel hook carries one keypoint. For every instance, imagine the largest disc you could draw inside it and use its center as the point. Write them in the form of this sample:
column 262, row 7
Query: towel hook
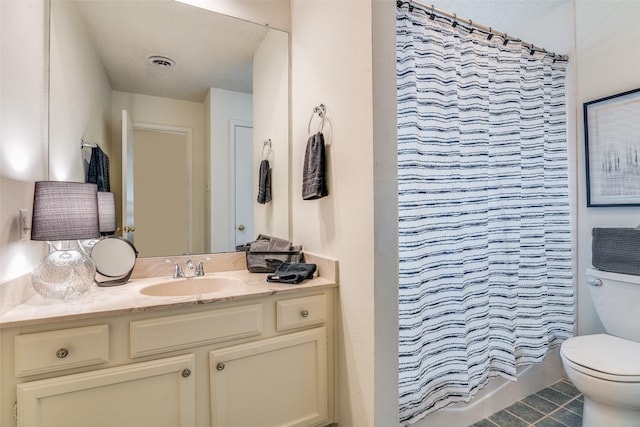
column 266, row 144
column 320, row 110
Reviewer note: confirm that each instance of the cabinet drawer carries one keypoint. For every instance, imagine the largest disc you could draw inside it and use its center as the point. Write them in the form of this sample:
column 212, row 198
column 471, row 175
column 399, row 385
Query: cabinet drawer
column 300, row 312
column 177, row 332
column 63, row 349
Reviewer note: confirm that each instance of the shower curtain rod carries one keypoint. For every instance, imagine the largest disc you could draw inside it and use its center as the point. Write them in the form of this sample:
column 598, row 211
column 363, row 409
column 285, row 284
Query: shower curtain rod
column 434, row 12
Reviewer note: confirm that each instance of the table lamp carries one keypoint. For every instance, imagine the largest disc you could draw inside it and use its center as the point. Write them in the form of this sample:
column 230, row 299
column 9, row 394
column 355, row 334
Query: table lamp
column 64, row 212
column 107, row 212
column 106, row 219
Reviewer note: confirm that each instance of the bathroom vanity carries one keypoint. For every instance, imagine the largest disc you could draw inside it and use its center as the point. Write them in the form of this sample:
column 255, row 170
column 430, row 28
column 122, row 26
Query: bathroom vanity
column 259, row 355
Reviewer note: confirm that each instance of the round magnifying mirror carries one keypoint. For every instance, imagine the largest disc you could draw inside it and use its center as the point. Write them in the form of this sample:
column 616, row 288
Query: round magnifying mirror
column 114, row 258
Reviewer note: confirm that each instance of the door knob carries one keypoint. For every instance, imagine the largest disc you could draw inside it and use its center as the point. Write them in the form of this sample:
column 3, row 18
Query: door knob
column 240, row 227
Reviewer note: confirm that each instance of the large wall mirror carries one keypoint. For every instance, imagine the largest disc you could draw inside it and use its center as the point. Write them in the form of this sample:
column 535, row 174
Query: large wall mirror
column 186, row 103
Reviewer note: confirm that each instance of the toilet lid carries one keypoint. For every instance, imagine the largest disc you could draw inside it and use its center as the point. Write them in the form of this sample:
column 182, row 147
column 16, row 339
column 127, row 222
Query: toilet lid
column 604, row 353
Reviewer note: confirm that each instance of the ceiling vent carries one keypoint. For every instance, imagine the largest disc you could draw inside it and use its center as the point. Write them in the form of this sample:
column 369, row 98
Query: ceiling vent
column 161, row 61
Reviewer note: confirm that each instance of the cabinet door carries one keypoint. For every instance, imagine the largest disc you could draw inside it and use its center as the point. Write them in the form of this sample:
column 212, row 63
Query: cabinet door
column 279, row 381
column 157, row 393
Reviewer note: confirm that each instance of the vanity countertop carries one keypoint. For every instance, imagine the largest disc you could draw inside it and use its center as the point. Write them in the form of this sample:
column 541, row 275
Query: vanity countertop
column 127, row 298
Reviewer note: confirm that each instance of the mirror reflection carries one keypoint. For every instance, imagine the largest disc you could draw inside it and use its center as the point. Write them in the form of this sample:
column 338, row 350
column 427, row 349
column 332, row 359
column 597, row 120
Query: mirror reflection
column 181, row 100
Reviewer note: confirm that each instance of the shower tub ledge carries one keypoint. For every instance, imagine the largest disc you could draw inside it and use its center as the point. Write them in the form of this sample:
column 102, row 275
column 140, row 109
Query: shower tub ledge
column 499, row 394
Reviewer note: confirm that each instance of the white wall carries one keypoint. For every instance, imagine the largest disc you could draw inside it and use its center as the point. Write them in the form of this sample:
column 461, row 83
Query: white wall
column 23, row 138
column 385, row 185
column 80, row 95
column 223, row 106
column 332, row 64
column 271, row 121
column 608, row 62
column 168, row 112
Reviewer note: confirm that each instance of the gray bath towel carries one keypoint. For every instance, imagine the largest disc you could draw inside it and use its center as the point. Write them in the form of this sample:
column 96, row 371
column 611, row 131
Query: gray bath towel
column 314, row 179
column 264, row 183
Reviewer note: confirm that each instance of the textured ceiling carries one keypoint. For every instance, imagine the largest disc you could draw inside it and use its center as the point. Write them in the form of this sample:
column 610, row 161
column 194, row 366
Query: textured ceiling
column 210, row 49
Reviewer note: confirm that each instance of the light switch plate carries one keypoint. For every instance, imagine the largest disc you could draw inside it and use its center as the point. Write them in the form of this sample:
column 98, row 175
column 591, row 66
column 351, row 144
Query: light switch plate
column 24, row 224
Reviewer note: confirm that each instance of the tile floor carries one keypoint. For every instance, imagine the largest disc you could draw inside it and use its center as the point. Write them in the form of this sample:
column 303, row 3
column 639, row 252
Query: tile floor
column 559, row 405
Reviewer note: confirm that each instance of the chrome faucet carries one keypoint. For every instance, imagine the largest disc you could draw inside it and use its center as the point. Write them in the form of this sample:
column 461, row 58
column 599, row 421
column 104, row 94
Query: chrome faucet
column 200, row 266
column 199, row 269
column 179, row 273
column 189, row 265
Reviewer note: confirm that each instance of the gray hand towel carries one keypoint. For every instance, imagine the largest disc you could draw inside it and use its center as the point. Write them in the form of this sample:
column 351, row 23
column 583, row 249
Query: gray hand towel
column 263, row 253
column 98, row 172
column 277, row 244
column 314, row 180
column 264, row 183
column 292, row 273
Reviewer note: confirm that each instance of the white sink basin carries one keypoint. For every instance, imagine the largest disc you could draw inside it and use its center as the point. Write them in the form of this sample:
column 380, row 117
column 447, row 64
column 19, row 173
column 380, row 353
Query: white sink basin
column 192, row 286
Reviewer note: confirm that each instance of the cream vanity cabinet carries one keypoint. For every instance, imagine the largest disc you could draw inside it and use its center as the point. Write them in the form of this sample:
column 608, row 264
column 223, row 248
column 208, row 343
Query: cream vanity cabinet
column 248, row 362
column 279, row 381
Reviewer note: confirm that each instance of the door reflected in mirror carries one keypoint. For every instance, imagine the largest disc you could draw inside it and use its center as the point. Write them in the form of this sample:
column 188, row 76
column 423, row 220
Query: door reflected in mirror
column 161, row 190
column 228, row 91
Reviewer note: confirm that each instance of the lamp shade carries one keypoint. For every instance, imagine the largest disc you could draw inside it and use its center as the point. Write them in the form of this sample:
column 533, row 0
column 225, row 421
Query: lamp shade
column 64, row 211
column 107, row 212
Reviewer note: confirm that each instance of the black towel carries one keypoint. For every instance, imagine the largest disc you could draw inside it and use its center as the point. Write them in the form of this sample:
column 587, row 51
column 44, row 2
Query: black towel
column 292, row 273
column 264, row 183
column 98, row 172
column 314, row 180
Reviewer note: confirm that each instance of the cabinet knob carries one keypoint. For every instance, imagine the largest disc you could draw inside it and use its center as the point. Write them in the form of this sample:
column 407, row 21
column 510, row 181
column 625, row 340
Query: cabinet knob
column 62, row 353
column 240, row 227
column 304, row 313
column 220, row 366
column 186, row 372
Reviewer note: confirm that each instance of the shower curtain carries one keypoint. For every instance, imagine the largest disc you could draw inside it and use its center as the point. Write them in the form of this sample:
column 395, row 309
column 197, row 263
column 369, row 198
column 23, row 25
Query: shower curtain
column 484, row 218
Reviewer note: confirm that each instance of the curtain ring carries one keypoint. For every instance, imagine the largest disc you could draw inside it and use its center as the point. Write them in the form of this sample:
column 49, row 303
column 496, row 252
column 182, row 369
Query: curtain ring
column 455, row 22
column 490, row 36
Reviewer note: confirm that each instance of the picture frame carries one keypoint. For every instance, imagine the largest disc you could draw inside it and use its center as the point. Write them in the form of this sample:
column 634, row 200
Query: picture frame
column 612, row 149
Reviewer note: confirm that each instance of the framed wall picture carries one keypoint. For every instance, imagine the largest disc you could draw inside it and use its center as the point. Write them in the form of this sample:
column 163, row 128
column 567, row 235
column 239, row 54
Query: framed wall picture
column 612, row 150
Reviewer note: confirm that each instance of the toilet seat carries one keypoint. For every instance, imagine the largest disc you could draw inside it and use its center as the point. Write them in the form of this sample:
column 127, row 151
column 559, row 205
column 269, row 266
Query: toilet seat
column 604, row 356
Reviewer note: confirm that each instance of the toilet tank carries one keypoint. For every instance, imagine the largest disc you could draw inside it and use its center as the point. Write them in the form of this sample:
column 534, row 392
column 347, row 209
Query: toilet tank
column 616, row 298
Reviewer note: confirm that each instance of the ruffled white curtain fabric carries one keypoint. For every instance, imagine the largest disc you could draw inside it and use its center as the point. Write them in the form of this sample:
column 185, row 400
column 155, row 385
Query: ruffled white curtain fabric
column 484, row 219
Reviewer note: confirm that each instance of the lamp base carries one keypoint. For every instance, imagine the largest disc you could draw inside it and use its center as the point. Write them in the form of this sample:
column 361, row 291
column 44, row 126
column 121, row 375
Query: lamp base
column 64, row 274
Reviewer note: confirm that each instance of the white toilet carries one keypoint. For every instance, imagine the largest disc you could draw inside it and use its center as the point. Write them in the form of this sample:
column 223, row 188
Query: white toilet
column 606, row 367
